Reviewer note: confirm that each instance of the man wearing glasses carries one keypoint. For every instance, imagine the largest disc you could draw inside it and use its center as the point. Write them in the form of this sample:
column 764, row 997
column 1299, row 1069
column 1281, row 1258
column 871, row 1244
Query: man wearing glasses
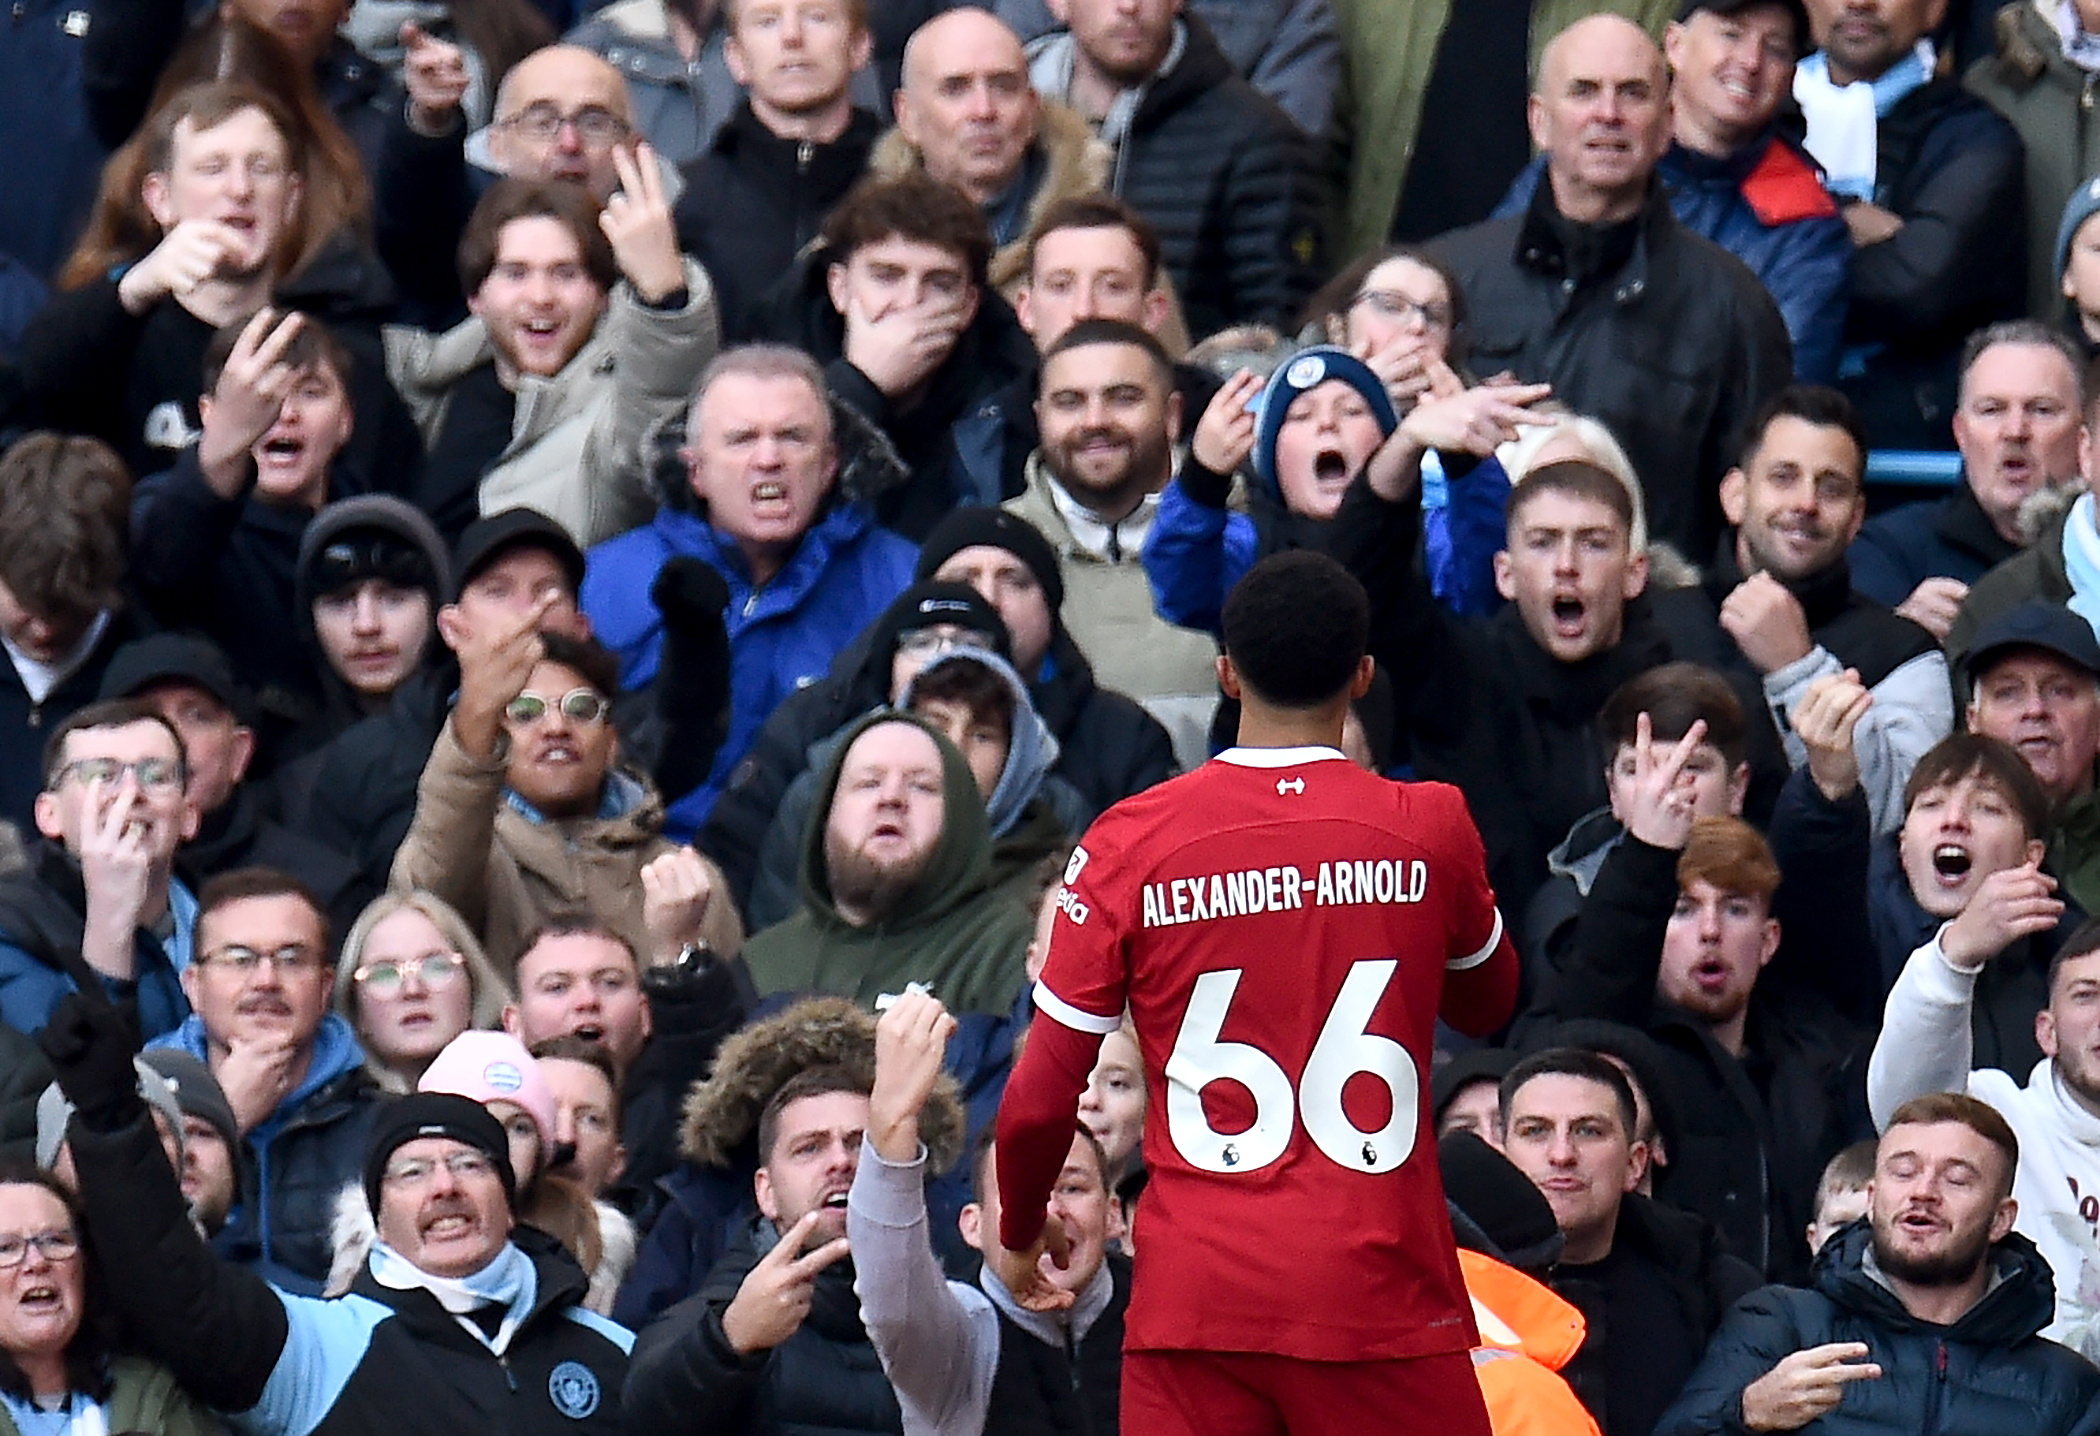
column 459, row 1321
column 525, row 812
column 99, row 906
column 261, row 985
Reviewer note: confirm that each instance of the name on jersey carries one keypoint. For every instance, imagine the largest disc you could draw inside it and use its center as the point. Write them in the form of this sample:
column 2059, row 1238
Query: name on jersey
column 1257, row 890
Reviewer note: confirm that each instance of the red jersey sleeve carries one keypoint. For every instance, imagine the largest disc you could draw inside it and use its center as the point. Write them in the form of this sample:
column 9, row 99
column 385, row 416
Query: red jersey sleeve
column 1480, row 971
column 1078, row 1001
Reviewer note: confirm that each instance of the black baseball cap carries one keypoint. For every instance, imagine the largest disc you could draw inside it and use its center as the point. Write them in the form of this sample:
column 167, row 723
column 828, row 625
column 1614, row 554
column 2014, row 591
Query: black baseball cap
column 2040, row 624
column 1795, row 10
column 488, row 539
column 166, row 657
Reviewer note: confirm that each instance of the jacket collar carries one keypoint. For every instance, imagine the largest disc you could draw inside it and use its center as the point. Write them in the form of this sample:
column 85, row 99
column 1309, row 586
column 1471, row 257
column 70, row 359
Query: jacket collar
column 1823, row 595
column 1588, row 256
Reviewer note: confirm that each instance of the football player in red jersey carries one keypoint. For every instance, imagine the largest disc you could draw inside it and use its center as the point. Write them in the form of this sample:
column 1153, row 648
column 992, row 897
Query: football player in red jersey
column 1284, row 929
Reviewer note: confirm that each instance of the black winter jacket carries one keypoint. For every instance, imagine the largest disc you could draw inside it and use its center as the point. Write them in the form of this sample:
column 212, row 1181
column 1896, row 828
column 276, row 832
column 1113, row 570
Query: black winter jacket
column 91, row 367
column 1230, row 184
column 377, row 1362
column 1702, row 1279
column 1486, row 708
column 1673, row 347
column 239, row 835
column 1753, row 1132
column 1954, row 171
column 227, row 568
column 825, row 1380
column 753, row 200
column 1853, row 885
column 25, row 722
column 1988, row 1372
column 1933, row 538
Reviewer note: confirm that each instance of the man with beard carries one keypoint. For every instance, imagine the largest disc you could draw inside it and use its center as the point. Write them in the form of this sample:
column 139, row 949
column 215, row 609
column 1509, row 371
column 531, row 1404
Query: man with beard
column 773, row 1342
column 1796, row 499
column 1923, row 1315
column 1925, row 1047
column 262, row 983
column 895, row 880
column 1675, row 938
column 1109, row 417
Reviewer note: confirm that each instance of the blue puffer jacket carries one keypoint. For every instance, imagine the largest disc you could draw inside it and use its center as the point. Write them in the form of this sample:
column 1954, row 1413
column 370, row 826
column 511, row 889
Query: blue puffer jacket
column 1766, row 205
column 782, row 635
column 1988, row 1372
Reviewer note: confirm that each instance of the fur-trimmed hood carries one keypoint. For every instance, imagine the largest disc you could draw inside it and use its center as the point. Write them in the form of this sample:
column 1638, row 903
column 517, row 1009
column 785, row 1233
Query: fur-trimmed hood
column 869, row 465
column 1075, row 163
column 721, row 1113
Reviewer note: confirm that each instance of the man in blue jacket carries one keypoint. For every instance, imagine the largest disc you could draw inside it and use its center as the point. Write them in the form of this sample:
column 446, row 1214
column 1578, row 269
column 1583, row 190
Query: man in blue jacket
column 774, row 503
column 1923, row 1315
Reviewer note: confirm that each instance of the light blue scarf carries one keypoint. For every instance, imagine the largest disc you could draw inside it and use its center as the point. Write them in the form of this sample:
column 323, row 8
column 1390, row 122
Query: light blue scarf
column 2082, row 561
column 1843, row 120
column 510, row 1281
column 80, row 1416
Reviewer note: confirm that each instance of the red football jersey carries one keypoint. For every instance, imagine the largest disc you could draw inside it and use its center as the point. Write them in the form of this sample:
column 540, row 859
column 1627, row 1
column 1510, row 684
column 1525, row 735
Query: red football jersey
column 1280, row 923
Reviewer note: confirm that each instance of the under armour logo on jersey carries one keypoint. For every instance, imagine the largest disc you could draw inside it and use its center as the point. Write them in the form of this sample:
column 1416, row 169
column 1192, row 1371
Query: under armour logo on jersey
column 1289, row 785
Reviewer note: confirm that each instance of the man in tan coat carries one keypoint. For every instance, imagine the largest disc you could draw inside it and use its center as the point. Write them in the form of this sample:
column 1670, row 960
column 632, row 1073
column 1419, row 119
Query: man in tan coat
column 523, row 811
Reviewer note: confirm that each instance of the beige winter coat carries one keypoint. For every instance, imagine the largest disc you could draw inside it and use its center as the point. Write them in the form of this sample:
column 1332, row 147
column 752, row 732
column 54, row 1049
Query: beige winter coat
column 507, row 874
column 576, row 446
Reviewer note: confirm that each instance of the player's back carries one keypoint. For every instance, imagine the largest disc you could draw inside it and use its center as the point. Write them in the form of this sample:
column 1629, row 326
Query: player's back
column 1280, row 922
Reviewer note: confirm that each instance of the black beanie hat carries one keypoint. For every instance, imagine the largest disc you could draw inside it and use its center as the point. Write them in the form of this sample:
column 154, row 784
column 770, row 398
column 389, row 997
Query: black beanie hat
column 925, row 604
column 968, row 527
column 437, row 1114
column 1500, row 1202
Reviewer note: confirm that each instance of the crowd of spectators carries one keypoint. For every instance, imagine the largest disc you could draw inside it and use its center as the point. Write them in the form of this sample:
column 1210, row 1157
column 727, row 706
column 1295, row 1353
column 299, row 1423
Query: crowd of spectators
column 557, row 559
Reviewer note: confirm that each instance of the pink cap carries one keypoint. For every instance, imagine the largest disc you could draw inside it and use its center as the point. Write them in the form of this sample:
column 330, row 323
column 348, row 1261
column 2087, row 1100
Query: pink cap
column 494, row 1067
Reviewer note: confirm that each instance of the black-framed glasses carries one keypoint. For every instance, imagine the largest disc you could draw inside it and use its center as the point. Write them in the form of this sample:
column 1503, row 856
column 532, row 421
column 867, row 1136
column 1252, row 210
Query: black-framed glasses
column 293, row 959
column 432, row 969
column 597, row 127
column 932, row 642
column 51, row 1246
column 1392, row 304
column 155, row 775
column 578, row 705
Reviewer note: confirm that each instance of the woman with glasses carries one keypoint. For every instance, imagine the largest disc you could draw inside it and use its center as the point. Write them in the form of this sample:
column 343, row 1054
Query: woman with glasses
column 60, row 1374
column 411, row 978
column 1399, row 313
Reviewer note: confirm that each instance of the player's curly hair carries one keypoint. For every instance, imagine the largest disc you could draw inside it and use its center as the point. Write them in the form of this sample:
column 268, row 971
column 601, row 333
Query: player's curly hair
column 1295, row 629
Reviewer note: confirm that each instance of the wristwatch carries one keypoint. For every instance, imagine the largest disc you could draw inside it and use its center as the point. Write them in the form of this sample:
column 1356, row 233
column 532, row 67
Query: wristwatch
column 692, row 960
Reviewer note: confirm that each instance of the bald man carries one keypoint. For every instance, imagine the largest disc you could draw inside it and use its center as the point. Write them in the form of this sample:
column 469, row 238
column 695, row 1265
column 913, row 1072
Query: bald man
column 789, row 152
column 968, row 115
column 560, row 114
column 1597, row 290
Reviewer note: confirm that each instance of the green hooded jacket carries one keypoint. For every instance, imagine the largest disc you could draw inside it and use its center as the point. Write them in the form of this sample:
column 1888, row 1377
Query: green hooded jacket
column 954, row 930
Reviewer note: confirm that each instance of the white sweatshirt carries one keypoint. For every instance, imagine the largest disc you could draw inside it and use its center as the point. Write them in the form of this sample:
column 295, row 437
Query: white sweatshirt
column 1925, row 1047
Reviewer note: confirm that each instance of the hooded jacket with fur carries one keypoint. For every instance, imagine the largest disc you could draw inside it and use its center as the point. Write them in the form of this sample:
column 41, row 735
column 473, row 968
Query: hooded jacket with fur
column 710, row 1197
column 783, row 634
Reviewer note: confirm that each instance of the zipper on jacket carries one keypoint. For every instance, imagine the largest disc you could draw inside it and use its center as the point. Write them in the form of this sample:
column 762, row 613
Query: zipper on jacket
column 804, row 151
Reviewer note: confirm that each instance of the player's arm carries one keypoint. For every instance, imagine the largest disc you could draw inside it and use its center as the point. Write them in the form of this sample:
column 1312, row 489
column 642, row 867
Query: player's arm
column 1039, row 1113
column 1480, row 967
